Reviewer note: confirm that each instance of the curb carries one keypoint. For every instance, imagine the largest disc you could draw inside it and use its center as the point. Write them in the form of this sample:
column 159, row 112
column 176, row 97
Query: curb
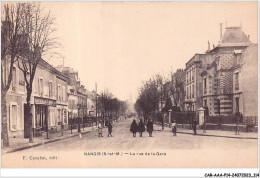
column 210, row 135
column 45, row 142
column 219, row 136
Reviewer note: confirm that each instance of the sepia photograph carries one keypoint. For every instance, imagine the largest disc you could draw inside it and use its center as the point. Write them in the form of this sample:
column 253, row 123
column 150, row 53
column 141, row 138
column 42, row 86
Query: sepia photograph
column 122, row 84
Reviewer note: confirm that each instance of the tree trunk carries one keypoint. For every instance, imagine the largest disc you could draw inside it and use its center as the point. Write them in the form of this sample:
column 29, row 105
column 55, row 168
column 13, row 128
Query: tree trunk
column 30, row 114
column 4, row 119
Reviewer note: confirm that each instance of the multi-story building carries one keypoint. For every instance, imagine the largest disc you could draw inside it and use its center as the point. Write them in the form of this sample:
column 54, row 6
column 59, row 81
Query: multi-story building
column 193, row 82
column 46, row 98
column 77, row 94
column 62, row 100
column 219, row 78
column 245, row 81
column 82, row 100
column 15, row 101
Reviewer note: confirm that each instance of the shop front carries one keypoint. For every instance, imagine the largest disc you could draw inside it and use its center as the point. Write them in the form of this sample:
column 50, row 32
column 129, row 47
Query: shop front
column 42, row 112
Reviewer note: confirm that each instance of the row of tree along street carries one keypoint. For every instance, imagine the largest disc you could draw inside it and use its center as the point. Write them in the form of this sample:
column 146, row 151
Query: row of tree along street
column 159, row 95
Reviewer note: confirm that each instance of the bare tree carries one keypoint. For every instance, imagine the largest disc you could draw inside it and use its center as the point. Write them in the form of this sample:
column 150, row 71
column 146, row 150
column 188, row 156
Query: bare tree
column 37, row 40
column 10, row 53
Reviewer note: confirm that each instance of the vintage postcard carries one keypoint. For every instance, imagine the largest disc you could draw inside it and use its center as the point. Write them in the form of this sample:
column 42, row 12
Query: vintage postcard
column 129, row 84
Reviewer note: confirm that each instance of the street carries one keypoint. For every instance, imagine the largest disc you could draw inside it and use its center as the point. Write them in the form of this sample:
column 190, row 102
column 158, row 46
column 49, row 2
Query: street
column 162, row 141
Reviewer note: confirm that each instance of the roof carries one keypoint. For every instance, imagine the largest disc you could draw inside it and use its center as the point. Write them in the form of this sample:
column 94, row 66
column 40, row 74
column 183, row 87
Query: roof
column 234, row 36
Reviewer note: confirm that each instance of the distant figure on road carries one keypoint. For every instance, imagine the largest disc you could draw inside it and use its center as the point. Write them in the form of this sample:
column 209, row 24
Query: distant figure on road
column 134, row 128
column 100, row 129
column 109, row 129
column 150, row 127
column 194, row 126
column 141, row 128
column 125, row 117
column 174, row 128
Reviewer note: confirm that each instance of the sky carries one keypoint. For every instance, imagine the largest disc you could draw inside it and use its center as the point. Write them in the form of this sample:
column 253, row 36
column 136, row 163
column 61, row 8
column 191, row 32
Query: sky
column 120, row 44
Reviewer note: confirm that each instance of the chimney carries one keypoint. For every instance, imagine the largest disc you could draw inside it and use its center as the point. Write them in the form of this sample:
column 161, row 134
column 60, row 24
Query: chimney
column 220, row 25
column 208, row 46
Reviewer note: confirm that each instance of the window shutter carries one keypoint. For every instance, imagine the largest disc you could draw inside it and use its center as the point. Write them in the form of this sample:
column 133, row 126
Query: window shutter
column 19, row 118
column 11, row 118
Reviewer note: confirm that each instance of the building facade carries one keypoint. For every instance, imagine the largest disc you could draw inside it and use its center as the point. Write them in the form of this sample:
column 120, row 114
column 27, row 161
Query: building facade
column 49, row 104
column 218, row 79
column 193, row 83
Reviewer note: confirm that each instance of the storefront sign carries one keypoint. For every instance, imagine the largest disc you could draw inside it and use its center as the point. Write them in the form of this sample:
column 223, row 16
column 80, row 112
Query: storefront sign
column 45, row 101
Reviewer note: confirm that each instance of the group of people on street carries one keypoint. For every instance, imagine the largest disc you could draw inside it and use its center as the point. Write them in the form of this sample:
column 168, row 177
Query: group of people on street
column 141, row 128
column 109, row 127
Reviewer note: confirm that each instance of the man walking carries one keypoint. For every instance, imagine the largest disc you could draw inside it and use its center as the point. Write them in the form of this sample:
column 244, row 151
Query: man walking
column 109, row 129
column 194, row 126
column 150, row 127
column 174, row 128
column 134, row 128
column 141, row 128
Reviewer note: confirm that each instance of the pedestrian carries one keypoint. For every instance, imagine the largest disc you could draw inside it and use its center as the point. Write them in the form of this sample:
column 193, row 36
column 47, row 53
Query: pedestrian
column 106, row 122
column 109, row 129
column 141, row 128
column 150, row 127
column 100, row 129
column 174, row 128
column 125, row 117
column 134, row 128
column 194, row 126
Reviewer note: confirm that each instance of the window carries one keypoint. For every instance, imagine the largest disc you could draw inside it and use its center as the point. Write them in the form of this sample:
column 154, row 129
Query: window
column 14, row 117
column 50, row 89
column 21, row 81
column 237, row 104
column 13, row 79
column 205, row 85
column 59, row 92
column 40, row 86
column 205, row 103
column 193, row 74
column 190, row 76
column 187, row 92
column 15, row 122
column 63, row 93
column 59, row 115
column 192, row 91
column 65, row 117
column 237, row 81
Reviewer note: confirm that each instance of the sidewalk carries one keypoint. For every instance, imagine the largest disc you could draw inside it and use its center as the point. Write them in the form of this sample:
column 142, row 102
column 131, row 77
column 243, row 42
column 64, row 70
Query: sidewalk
column 17, row 144
column 212, row 133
